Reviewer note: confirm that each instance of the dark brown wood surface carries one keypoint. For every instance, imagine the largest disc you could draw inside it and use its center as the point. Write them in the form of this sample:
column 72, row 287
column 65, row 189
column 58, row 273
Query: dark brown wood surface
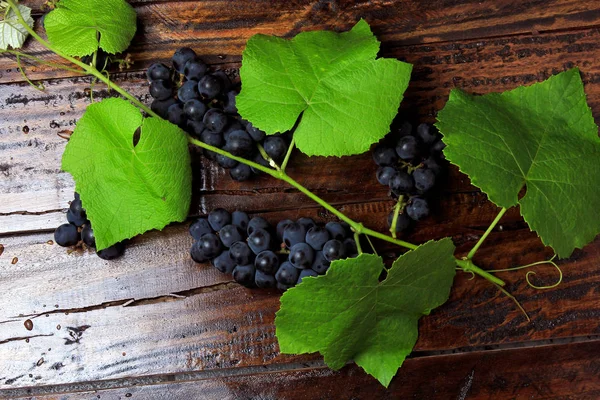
column 156, row 325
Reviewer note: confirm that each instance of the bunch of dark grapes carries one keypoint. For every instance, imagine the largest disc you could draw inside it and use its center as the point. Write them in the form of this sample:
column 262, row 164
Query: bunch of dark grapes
column 79, row 229
column 410, row 164
column 202, row 103
column 259, row 256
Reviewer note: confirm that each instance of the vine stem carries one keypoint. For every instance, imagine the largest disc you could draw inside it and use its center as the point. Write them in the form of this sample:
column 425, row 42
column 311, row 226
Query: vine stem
column 91, row 70
column 486, row 234
column 288, row 154
column 468, row 266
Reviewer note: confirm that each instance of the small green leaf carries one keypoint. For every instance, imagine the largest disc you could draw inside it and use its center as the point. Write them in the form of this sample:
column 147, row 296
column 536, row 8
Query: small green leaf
column 542, row 137
column 348, row 314
column 346, row 98
column 126, row 189
column 79, row 27
column 12, row 33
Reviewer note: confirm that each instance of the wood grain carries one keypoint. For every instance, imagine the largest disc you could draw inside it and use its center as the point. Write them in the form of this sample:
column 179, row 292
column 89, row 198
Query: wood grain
column 568, row 371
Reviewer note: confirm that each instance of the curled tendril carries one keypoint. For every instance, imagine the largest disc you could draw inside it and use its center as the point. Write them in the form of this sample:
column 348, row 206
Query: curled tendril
column 530, row 273
column 39, row 87
column 467, row 272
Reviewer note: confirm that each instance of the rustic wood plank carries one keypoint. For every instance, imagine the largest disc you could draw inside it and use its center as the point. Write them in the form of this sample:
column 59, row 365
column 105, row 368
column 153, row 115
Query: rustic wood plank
column 219, row 31
column 568, row 371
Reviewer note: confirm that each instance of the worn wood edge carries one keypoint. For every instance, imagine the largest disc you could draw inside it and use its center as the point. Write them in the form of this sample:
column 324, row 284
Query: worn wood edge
column 554, row 371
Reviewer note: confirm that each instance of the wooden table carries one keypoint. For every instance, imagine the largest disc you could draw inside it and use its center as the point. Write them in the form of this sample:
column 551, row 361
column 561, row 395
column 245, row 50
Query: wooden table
column 155, row 325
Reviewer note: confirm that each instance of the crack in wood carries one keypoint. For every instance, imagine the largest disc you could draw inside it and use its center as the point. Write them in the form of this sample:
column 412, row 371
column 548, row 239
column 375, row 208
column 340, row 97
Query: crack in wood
column 60, row 210
column 15, row 339
column 175, row 296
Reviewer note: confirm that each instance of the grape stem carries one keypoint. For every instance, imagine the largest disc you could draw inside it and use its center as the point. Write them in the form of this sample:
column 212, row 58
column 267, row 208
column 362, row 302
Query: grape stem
column 288, row 154
column 486, row 234
column 357, row 241
column 276, row 172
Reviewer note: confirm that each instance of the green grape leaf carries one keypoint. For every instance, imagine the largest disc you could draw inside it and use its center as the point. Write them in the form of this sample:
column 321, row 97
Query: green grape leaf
column 128, row 189
column 542, row 137
column 345, row 97
column 349, row 314
column 12, row 33
column 79, row 27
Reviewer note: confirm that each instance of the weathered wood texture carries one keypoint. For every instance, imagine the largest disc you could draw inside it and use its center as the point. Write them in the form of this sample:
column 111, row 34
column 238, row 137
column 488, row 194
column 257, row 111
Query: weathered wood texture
column 546, row 372
column 156, row 312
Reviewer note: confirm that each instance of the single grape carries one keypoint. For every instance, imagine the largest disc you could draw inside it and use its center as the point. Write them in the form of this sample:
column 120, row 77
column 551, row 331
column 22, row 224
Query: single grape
column 161, row 107
column 316, row 237
column 76, row 196
column 333, row 250
column 218, row 218
column 66, row 235
column 197, row 253
column 256, row 134
column 287, row 274
column 240, row 173
column 175, row 115
column 244, row 275
column 112, row 252
column 426, row 133
column 240, row 253
column 306, row 222
column 229, row 105
column 304, row 273
column 195, row 127
column 259, row 159
column 199, row 228
column 212, row 138
column 181, row 57
column 281, row 225
column 210, row 244
column 407, row 148
column 424, row 179
column 230, row 234
column 161, row 89
column 234, row 125
column 293, row 233
column 437, row 147
column 225, row 81
column 402, row 223
column 209, row 86
column 267, row 262
column 350, row 248
column 77, row 209
column 384, row 174
column 215, row 120
column 263, row 280
column 188, row 91
column 275, row 147
column 417, row 209
column 336, row 230
column 320, row 264
column 224, row 161
column 432, row 165
column 74, row 219
column 257, row 223
column 301, row 255
column 87, row 235
column 240, row 219
column 158, row 71
column 401, row 183
column 259, row 240
column 224, row 263
column 281, row 287
column 194, row 109
column 194, row 69
column 240, row 143
column 384, row 155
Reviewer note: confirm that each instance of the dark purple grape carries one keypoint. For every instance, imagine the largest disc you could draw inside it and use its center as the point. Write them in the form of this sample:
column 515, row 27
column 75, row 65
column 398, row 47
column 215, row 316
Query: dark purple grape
column 161, row 89
column 194, row 69
column 77, row 209
column 224, row 161
column 384, row 155
column 306, row 222
column 218, row 218
column 259, row 240
column 176, row 116
column 75, row 219
column 424, row 179
column 209, row 86
column 304, row 273
column 293, row 233
column 240, row 143
column 244, row 275
column 432, row 165
column 333, row 250
column 267, row 262
column 316, row 237
column 417, row 209
column 402, row 223
column 257, row 223
column 320, row 264
column 281, row 225
column 229, row 105
column 230, row 234
column 66, row 235
column 401, row 183
column 158, row 71
column 215, row 120
column 350, row 248
column 287, row 274
column 240, row 173
column 87, row 235
column 426, row 133
column 112, row 252
column 240, row 253
column 275, row 147
column 240, row 219
column 225, row 81
column 161, row 107
column 407, row 148
column 336, row 230
column 384, row 174
column 181, row 57
column 194, row 109
column 224, row 263
column 437, row 147
column 199, row 228
column 210, row 245
column 212, row 138
column 188, row 91
column 301, row 255
column 256, row 134
column 263, row 280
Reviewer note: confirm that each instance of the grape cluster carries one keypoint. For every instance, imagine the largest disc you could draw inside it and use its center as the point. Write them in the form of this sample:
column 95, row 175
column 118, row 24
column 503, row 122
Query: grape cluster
column 409, row 163
column 79, row 228
column 259, row 256
column 203, row 104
